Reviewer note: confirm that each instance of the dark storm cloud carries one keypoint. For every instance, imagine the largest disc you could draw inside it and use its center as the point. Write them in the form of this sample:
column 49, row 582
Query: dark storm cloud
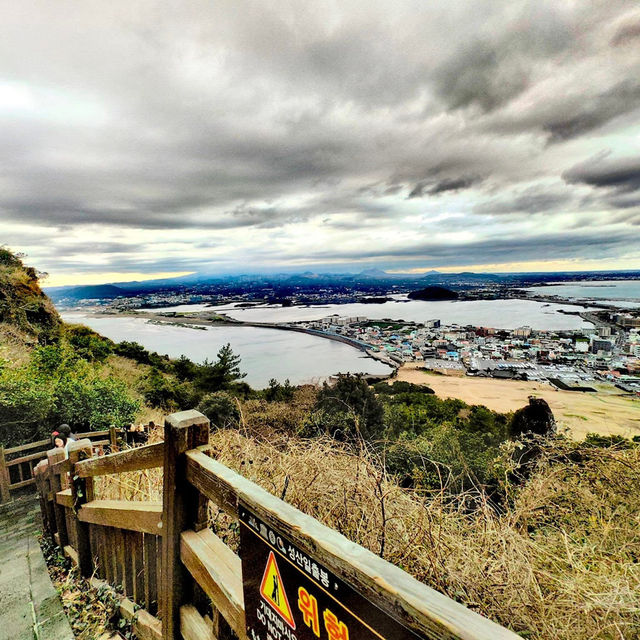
column 476, row 75
column 534, row 247
column 594, row 111
column 491, row 71
column 621, row 174
column 628, row 32
column 92, row 248
column 444, row 185
column 537, row 199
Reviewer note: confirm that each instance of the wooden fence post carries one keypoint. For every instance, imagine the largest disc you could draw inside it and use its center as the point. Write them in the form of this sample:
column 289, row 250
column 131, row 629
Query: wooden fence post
column 4, row 478
column 113, row 438
column 48, row 498
column 37, row 473
column 183, row 508
column 53, row 456
column 81, row 492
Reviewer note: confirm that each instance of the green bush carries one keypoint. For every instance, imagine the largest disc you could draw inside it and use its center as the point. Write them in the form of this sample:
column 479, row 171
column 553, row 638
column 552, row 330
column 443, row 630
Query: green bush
column 277, row 392
column 400, row 386
column 88, row 344
column 135, row 351
column 91, row 402
column 597, row 440
column 348, row 409
column 158, row 391
column 221, row 374
column 25, row 408
column 222, row 410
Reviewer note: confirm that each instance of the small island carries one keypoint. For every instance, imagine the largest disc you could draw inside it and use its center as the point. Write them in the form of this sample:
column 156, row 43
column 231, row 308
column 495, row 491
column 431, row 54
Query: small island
column 433, row 293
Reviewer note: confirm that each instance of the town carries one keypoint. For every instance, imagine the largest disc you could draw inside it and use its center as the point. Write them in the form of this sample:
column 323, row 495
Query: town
column 567, row 359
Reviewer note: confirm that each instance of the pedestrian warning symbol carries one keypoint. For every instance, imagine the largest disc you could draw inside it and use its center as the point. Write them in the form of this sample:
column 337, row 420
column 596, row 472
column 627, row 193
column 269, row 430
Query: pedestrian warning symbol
column 272, row 590
column 290, row 595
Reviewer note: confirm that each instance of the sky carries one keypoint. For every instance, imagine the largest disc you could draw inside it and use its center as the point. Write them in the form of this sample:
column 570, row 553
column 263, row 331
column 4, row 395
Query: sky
column 146, row 139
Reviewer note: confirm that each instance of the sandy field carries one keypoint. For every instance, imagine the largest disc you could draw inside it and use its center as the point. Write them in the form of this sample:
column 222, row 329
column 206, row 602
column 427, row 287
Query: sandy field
column 609, row 411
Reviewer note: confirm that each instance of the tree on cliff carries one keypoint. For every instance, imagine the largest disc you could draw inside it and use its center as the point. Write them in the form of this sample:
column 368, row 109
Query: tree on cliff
column 536, row 419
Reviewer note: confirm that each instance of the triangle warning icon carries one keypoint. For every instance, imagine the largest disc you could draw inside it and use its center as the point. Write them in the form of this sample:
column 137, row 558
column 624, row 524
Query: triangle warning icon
column 272, row 590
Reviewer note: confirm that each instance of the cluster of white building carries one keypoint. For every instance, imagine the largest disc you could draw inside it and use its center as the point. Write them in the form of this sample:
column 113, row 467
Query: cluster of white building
column 487, row 351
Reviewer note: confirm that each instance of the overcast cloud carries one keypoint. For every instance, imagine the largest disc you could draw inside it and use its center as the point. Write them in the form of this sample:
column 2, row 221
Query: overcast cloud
column 158, row 137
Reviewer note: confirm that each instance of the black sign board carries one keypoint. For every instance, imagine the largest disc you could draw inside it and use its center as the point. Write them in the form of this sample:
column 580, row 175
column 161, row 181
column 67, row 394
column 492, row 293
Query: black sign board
column 289, row 595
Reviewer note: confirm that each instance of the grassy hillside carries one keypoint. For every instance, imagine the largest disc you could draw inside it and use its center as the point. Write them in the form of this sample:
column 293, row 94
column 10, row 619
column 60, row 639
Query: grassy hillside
column 51, row 372
column 23, row 305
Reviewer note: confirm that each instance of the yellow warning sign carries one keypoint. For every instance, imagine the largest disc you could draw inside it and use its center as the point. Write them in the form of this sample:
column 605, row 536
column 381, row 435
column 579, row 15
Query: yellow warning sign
column 272, row 590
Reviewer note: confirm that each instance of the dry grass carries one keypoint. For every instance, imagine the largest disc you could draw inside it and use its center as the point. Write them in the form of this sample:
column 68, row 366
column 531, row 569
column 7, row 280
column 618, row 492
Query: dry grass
column 15, row 345
column 560, row 561
column 609, row 411
column 140, row 486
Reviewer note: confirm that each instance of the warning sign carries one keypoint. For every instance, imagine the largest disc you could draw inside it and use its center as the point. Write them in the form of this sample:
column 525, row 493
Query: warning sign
column 289, row 595
column 272, row 591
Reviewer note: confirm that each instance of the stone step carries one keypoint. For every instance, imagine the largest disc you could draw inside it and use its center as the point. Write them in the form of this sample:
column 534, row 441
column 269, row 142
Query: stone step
column 30, row 606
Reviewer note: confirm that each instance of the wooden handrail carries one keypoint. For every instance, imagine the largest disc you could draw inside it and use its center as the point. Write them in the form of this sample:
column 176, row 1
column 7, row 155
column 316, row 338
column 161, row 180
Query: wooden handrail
column 392, row 589
column 145, row 517
column 218, row 571
column 64, row 499
column 6, row 486
column 23, row 483
column 193, row 626
column 120, row 540
column 31, row 456
column 27, row 447
column 64, row 466
column 92, row 434
column 145, row 457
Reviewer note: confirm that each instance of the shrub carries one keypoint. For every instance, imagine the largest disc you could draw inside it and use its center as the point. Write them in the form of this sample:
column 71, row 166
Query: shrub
column 222, row 410
column 25, row 407
column 221, row 374
column 348, row 410
column 277, row 392
column 88, row 344
column 400, row 386
column 91, row 402
column 158, row 391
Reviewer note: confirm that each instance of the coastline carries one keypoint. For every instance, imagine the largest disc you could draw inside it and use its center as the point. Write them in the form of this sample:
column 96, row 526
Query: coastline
column 223, row 320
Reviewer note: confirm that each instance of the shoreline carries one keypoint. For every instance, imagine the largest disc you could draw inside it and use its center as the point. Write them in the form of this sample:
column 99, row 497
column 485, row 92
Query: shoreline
column 225, row 321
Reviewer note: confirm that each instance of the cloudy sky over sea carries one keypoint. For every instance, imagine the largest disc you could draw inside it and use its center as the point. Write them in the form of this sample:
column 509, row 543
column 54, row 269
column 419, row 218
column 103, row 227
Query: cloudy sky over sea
column 144, row 138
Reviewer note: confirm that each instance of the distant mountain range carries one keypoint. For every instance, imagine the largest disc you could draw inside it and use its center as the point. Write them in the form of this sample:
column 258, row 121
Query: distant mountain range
column 85, row 292
column 291, row 281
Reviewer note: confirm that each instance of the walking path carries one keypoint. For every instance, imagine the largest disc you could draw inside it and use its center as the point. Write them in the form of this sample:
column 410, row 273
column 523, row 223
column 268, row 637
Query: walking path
column 30, row 608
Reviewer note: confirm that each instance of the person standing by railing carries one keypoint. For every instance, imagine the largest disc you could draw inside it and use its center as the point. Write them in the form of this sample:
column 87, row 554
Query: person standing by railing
column 64, row 430
column 60, row 441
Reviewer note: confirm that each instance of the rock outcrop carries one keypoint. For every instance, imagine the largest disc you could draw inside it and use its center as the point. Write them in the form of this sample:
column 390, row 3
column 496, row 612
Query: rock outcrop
column 536, row 419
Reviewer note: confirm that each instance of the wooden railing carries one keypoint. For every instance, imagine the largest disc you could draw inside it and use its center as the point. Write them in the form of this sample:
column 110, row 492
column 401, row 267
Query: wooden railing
column 17, row 463
column 189, row 584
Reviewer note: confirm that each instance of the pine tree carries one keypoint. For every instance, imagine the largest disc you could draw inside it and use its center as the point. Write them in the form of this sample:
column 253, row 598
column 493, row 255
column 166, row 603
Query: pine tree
column 221, row 374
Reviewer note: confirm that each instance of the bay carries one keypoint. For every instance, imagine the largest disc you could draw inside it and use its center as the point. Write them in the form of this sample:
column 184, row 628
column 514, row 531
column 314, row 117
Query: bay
column 265, row 353
column 499, row 314
column 622, row 293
